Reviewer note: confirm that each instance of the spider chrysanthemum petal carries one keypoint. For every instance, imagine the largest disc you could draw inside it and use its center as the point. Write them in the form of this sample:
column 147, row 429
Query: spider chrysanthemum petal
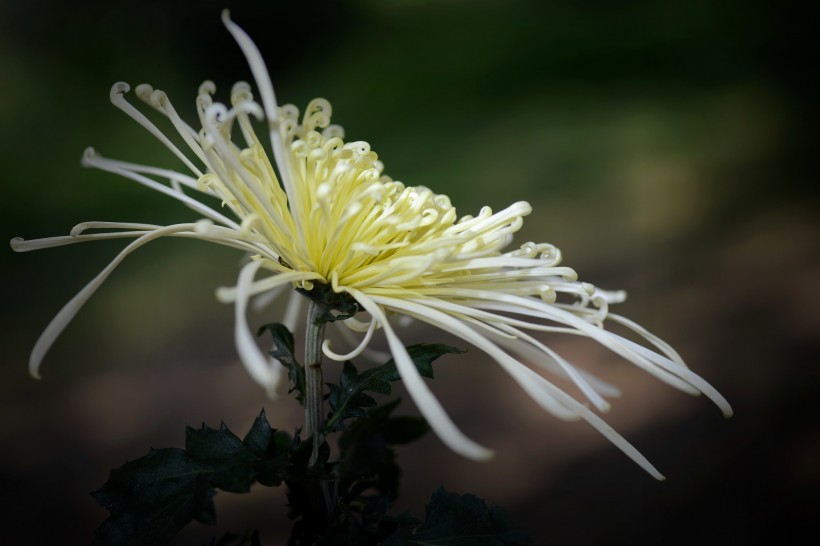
column 323, row 219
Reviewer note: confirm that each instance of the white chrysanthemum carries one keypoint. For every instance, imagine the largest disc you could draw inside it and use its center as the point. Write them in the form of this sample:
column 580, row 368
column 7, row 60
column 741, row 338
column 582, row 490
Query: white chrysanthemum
column 327, row 222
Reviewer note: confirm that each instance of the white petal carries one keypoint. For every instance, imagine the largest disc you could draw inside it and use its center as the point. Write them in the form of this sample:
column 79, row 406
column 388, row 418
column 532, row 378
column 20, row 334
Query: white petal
column 67, row 313
column 259, row 365
column 371, row 354
column 294, row 310
column 296, row 200
column 427, row 403
column 227, row 294
column 525, row 349
column 355, row 352
column 541, row 390
column 659, row 366
column 117, row 96
column 265, row 299
column 92, row 159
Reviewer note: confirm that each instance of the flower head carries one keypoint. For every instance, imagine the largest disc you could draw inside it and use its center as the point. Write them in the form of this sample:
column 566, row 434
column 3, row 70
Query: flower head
column 321, row 217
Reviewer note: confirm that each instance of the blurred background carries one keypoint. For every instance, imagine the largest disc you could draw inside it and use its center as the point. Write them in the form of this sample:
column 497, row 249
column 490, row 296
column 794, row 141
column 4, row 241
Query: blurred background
column 668, row 148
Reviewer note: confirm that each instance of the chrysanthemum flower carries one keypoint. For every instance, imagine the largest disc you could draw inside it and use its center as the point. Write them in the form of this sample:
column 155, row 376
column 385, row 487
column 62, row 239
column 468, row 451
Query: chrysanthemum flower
column 322, row 219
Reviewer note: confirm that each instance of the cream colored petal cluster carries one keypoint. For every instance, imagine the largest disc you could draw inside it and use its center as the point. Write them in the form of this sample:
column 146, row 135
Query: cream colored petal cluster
column 319, row 215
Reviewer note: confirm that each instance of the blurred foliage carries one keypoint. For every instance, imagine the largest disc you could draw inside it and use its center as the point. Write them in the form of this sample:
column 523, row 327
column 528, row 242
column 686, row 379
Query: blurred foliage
column 540, row 97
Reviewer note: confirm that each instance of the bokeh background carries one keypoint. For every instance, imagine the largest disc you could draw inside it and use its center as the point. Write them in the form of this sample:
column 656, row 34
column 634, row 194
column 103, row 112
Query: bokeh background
column 668, row 148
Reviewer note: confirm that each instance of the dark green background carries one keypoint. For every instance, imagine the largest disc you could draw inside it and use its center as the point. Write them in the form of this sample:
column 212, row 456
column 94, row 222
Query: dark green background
column 668, row 148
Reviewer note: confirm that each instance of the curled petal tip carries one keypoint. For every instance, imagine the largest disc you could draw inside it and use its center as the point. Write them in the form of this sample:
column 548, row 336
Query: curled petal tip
column 16, row 243
column 118, row 89
column 88, row 156
column 144, row 90
column 207, row 88
column 226, row 16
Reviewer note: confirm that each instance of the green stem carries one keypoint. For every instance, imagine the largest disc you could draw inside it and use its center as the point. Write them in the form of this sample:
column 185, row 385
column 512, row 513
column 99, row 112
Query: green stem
column 314, row 397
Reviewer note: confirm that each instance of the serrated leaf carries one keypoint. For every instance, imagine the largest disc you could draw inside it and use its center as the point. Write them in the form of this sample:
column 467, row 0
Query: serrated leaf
column 459, row 520
column 153, row 497
column 423, row 356
column 283, row 351
column 348, row 399
column 272, row 450
column 229, row 462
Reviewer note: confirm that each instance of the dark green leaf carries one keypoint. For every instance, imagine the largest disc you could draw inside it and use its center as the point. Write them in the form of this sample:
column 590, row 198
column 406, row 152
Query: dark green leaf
column 461, row 520
column 368, row 461
column 272, row 450
column 283, row 351
column 423, row 356
column 348, row 399
column 228, row 461
column 152, row 498
column 259, row 437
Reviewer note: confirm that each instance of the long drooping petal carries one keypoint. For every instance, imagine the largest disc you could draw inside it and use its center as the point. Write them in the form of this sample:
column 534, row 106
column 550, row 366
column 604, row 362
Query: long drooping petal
column 419, row 391
column 70, row 309
column 262, row 368
column 541, row 390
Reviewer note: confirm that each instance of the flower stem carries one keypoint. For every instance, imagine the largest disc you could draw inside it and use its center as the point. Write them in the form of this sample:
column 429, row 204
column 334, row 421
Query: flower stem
column 314, row 398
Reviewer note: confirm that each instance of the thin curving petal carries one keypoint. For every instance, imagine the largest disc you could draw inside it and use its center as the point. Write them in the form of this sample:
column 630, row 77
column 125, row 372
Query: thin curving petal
column 70, row 309
column 427, row 403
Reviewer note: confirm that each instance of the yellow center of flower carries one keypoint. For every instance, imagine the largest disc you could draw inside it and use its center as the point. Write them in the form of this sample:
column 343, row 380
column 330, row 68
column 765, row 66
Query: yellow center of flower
column 336, row 214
